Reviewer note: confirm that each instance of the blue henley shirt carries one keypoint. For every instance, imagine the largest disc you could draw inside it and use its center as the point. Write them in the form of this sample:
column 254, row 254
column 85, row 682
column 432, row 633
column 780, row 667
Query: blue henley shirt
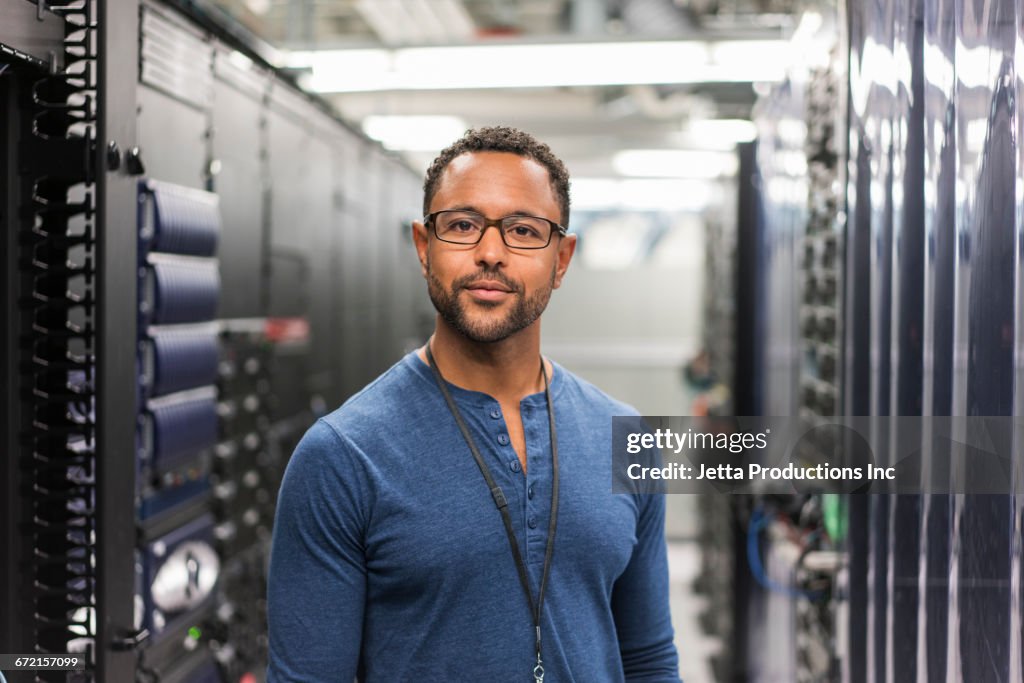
column 390, row 561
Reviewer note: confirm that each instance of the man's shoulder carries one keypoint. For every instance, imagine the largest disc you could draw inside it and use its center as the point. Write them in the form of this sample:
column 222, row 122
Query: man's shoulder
column 594, row 400
column 370, row 424
column 380, row 401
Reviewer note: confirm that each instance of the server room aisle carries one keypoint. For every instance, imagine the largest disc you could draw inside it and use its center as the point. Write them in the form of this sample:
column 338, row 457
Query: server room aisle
column 798, row 208
column 696, row 647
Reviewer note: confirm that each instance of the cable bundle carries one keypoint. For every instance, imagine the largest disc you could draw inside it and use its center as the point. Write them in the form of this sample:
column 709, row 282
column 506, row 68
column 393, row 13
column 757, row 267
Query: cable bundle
column 57, row 260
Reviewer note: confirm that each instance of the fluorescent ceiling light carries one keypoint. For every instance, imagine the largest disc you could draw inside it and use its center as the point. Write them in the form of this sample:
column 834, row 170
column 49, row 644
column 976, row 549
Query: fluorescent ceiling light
column 602, row 194
column 674, row 163
column 414, row 133
column 719, row 133
column 542, row 65
column 618, row 241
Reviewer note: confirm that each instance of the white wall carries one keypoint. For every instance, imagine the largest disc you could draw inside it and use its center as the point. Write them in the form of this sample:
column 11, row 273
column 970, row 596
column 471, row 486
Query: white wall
column 630, row 331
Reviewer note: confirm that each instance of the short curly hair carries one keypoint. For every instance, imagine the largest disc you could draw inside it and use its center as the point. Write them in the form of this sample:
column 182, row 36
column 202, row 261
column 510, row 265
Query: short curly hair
column 501, row 139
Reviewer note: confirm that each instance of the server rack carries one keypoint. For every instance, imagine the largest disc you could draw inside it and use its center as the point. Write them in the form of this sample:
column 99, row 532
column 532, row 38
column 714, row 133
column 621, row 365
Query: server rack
column 144, row 138
column 177, row 563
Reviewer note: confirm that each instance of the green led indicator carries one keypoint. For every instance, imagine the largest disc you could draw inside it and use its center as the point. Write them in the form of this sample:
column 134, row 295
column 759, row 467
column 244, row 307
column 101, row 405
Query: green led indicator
column 834, row 511
column 194, row 633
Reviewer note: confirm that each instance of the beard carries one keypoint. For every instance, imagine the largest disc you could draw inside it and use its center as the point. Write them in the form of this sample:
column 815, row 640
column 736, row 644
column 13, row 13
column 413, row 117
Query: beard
column 486, row 329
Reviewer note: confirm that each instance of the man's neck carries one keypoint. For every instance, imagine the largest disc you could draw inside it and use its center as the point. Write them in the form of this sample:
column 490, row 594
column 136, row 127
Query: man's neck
column 507, row 370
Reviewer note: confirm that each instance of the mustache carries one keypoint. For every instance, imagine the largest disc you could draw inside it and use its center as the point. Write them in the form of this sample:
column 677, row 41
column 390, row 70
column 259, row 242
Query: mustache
column 494, row 275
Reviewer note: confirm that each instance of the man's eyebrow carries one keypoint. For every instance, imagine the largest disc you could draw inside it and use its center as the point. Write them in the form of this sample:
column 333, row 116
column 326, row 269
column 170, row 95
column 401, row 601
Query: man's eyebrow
column 525, row 212
column 514, row 212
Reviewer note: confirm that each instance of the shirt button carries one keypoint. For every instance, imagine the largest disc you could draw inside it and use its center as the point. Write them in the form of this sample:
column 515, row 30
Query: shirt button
column 532, row 522
column 513, row 465
column 529, row 492
column 495, row 414
column 503, row 439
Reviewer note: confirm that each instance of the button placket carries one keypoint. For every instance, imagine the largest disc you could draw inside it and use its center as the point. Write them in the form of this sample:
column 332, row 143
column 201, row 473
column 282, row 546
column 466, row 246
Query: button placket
column 538, row 448
column 499, row 433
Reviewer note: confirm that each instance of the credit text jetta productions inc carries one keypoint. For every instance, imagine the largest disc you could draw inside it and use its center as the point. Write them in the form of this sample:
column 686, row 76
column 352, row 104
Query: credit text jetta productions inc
column 666, row 440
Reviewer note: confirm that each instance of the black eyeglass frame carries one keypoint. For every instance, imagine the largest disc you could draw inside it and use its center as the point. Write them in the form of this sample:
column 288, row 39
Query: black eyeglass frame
column 496, row 222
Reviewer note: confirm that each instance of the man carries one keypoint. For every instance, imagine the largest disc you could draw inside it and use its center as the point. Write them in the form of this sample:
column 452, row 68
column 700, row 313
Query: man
column 439, row 526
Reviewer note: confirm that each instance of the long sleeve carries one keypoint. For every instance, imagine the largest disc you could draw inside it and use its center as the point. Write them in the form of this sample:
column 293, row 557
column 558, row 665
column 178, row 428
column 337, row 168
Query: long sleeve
column 640, row 602
column 317, row 578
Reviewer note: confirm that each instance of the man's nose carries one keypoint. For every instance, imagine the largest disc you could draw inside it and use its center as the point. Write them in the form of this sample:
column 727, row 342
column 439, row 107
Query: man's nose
column 491, row 248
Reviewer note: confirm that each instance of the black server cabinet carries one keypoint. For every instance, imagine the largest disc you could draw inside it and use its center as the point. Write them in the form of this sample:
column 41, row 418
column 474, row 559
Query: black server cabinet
column 156, row 378
column 237, row 172
column 299, row 156
column 116, row 330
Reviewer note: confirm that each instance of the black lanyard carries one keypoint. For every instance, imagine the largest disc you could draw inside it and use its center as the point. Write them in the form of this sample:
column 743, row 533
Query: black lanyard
column 502, row 504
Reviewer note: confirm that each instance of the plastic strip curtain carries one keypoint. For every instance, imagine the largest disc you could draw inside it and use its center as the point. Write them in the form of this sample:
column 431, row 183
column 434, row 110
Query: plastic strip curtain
column 937, row 330
column 933, row 255
column 983, row 325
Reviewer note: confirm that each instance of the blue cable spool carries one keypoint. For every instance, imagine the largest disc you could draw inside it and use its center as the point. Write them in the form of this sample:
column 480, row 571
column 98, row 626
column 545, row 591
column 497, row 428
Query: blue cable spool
column 178, row 220
column 182, row 429
column 183, row 360
column 183, row 291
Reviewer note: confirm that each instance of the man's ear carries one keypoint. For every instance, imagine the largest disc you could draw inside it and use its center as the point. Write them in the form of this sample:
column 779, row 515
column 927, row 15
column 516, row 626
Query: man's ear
column 420, row 238
column 566, row 248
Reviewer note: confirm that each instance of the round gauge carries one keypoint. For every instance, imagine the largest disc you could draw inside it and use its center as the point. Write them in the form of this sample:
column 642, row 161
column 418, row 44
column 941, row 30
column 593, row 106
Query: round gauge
column 186, row 578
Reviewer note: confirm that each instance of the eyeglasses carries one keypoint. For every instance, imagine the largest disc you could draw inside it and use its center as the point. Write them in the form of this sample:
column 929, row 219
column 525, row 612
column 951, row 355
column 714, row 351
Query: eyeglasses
column 468, row 227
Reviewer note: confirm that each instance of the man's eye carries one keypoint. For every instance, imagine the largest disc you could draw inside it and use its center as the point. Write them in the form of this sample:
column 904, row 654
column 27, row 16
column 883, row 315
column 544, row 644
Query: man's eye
column 462, row 226
column 523, row 230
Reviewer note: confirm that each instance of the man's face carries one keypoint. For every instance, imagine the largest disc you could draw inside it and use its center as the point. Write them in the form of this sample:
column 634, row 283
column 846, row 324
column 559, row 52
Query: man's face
column 487, row 291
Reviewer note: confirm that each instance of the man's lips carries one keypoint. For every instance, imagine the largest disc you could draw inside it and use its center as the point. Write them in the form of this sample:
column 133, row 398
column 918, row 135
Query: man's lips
column 489, row 285
column 488, row 290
